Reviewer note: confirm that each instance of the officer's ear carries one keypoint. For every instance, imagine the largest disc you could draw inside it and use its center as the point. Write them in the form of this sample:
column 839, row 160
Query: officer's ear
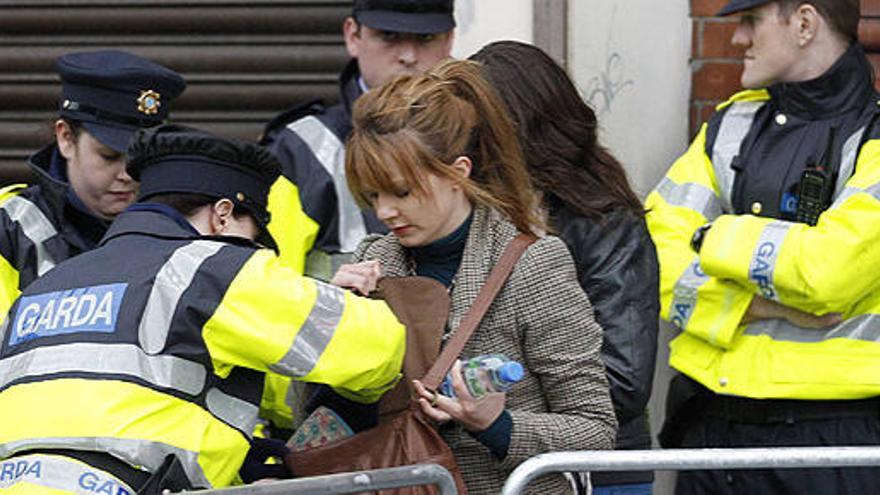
column 221, row 212
column 66, row 139
column 351, row 32
column 806, row 21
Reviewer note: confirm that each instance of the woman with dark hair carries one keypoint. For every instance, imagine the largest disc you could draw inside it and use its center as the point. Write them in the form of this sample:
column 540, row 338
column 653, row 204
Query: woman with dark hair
column 590, row 204
column 436, row 157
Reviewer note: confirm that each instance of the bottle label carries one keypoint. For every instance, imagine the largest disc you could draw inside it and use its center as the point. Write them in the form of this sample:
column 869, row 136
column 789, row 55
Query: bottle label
column 480, row 376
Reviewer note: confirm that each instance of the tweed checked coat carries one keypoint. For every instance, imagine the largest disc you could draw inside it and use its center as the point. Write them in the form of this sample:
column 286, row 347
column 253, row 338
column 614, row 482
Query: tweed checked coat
column 541, row 318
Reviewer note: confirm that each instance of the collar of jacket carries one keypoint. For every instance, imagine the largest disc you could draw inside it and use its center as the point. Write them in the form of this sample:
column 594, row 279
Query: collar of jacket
column 349, row 89
column 156, row 223
column 844, row 87
column 57, row 194
column 482, row 239
column 489, row 234
column 54, row 190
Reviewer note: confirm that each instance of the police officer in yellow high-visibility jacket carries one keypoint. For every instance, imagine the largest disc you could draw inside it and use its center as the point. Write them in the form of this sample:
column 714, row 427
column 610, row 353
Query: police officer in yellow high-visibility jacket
column 143, row 359
column 80, row 178
column 769, row 243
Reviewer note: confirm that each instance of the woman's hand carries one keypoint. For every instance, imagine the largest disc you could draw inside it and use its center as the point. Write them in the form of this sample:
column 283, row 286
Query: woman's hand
column 360, row 277
column 475, row 414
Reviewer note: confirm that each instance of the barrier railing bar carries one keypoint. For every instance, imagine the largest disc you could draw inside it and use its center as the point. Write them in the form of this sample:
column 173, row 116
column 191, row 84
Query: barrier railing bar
column 688, row 459
column 358, row 481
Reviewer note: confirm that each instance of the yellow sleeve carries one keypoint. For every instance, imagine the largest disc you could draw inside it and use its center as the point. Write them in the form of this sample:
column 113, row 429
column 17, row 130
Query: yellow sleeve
column 825, row 268
column 292, row 229
column 704, row 306
column 274, row 405
column 294, row 233
column 273, row 319
column 9, row 291
column 9, row 277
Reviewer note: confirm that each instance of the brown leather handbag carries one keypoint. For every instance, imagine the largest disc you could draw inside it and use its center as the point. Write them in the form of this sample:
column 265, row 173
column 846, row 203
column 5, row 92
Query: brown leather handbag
column 405, row 435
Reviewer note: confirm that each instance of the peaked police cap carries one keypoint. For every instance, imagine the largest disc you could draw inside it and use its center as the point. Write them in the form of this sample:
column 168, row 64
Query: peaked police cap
column 406, row 16
column 739, row 5
column 179, row 159
column 114, row 93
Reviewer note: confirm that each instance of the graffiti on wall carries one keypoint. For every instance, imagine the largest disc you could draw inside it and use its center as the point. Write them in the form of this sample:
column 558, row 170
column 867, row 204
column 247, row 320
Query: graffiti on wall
column 604, row 88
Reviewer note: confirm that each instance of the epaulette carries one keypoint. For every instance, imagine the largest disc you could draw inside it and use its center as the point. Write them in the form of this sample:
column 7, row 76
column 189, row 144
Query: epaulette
column 10, row 191
column 746, row 95
column 713, row 125
column 292, row 114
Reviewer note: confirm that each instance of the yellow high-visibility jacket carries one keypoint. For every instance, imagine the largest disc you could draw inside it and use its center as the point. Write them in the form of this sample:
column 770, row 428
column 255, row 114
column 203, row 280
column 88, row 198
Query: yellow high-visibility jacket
column 294, row 233
column 36, row 234
column 832, row 267
column 156, row 343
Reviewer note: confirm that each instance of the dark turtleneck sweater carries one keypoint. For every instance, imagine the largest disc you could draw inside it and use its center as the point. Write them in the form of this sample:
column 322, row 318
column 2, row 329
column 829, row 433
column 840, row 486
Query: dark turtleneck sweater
column 440, row 259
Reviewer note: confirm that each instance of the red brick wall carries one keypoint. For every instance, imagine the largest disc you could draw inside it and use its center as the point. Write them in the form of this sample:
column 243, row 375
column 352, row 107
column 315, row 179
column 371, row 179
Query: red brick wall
column 716, row 65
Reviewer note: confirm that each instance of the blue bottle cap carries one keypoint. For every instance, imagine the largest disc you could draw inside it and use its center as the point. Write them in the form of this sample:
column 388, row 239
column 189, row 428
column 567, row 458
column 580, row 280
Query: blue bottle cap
column 511, row 372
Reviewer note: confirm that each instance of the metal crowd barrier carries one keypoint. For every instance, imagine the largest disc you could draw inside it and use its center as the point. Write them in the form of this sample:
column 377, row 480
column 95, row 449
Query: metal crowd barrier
column 354, row 482
column 688, row 459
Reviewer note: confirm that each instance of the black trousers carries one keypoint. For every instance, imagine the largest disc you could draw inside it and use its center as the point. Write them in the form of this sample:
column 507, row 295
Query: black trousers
column 713, row 432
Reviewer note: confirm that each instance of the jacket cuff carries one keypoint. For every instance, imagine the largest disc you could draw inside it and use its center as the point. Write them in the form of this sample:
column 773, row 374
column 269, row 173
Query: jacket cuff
column 729, row 245
column 497, row 436
column 745, row 249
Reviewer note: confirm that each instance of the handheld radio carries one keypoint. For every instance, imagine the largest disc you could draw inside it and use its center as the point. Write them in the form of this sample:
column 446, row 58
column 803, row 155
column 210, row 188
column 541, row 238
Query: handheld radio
column 816, row 185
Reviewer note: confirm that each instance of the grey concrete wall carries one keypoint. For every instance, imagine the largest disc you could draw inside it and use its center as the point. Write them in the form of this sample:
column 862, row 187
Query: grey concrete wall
column 630, row 61
column 483, row 21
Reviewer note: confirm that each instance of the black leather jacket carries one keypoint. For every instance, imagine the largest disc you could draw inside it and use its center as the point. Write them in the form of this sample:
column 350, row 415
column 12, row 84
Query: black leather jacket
column 617, row 267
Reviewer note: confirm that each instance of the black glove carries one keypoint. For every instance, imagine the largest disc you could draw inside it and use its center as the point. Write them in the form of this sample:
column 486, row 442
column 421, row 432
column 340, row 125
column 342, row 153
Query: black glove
column 699, row 236
column 254, row 466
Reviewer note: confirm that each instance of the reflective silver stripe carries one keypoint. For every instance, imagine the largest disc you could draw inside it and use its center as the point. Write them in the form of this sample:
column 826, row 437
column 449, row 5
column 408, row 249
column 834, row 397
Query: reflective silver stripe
column 235, row 412
column 35, row 226
column 852, row 191
column 862, row 328
column 60, row 473
column 765, row 256
column 3, row 329
column 844, row 195
column 735, row 125
column 684, row 297
column 848, row 157
column 874, row 191
column 172, row 280
column 315, row 334
column 144, row 453
column 690, row 195
column 330, row 151
column 122, row 359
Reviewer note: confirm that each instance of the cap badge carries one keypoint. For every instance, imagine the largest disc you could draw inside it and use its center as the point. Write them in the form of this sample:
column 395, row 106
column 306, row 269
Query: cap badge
column 148, row 102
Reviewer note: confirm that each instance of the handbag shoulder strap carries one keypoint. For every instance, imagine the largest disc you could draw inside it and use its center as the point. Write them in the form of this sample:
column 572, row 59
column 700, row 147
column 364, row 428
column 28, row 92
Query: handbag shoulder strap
column 472, row 319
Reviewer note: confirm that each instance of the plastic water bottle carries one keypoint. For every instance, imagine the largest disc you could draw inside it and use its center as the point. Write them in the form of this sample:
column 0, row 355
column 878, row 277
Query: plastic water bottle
column 485, row 374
